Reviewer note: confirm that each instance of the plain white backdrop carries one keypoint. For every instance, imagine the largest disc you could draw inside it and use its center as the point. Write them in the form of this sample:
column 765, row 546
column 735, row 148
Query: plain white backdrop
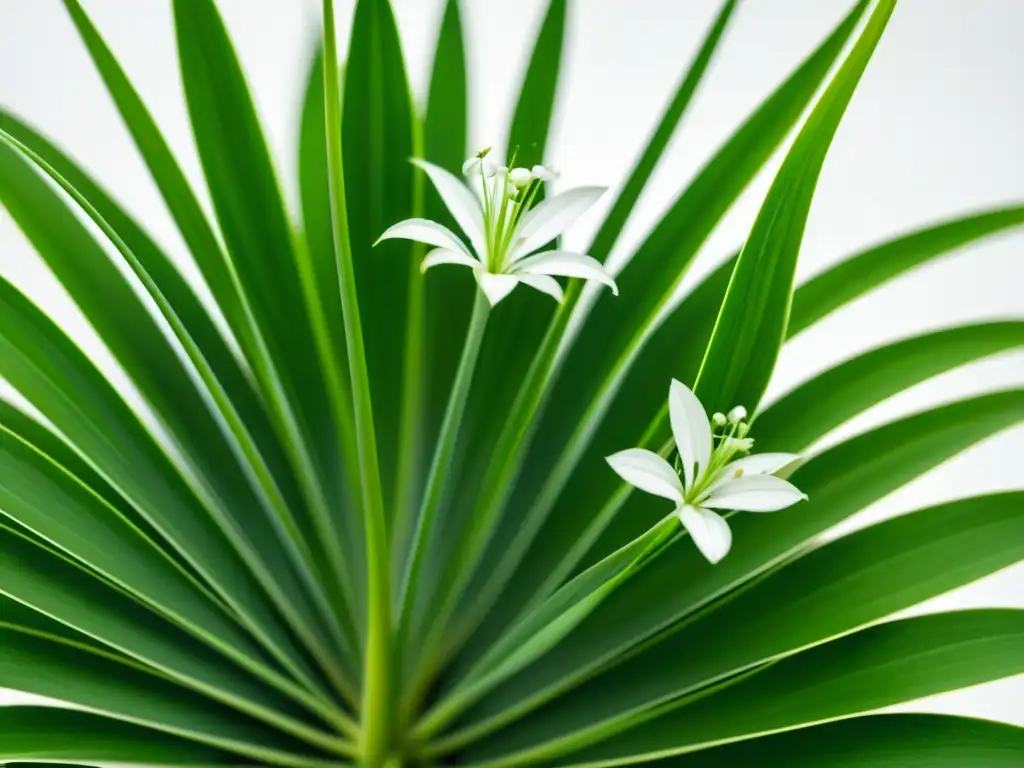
column 934, row 130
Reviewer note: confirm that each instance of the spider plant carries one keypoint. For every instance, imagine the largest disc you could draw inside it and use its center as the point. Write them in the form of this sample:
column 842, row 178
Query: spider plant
column 351, row 511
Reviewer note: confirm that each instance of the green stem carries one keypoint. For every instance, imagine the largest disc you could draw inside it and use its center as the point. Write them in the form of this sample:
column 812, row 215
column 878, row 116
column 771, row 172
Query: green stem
column 436, row 480
column 496, row 488
column 377, row 712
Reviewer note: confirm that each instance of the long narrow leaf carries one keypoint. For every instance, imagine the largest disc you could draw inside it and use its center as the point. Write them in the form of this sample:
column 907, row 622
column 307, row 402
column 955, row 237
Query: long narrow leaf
column 35, row 734
column 58, row 589
column 42, row 363
column 870, row 268
column 879, row 667
column 34, row 665
column 877, row 741
column 840, row 588
column 169, row 178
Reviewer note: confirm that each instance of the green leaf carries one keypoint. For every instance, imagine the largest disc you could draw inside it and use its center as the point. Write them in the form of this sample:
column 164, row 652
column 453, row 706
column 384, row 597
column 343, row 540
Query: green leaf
column 875, row 741
column 68, row 736
column 269, row 268
column 378, row 139
column 840, row 393
column 169, row 178
column 674, row 587
column 45, row 366
column 231, row 374
column 133, row 336
column 14, row 615
column 616, row 328
column 839, row 588
column 752, row 322
column 532, row 120
column 319, row 240
column 885, row 665
column 34, row 665
column 859, row 274
column 627, row 197
column 32, row 432
column 58, row 589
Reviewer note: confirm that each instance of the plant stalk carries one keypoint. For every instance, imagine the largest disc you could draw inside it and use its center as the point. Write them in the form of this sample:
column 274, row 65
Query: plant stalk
column 377, row 712
column 436, row 480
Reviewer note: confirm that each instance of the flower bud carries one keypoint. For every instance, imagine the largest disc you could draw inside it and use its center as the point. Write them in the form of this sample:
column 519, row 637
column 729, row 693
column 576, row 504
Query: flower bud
column 718, row 420
column 737, row 414
column 521, row 177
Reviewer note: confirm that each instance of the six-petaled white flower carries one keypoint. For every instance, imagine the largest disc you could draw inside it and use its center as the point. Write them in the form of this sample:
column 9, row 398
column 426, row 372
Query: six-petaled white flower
column 716, row 473
column 496, row 211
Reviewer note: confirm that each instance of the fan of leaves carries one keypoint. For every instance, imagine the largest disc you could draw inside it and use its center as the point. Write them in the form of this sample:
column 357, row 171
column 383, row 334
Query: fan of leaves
column 209, row 563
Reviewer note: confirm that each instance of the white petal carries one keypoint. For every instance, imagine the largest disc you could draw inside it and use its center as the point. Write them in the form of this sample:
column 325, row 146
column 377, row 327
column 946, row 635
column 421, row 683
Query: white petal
column 551, row 218
column 544, row 284
column 647, row 471
column 565, row 264
column 691, row 430
column 754, row 493
column 425, row 231
column 758, row 464
column 762, row 463
column 495, row 287
column 544, row 173
column 444, row 256
column 459, row 200
column 710, row 532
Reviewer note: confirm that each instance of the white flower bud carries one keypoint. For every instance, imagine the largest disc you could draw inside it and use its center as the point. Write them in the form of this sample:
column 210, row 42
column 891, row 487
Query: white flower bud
column 737, row 414
column 520, row 177
column 718, row 420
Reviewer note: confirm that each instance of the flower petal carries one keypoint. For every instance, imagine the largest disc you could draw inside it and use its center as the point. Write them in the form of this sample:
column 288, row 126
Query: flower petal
column 709, row 531
column 495, row 287
column 763, row 463
column 551, row 218
column 647, row 471
column 565, row 264
column 758, row 464
column 691, row 430
column 425, row 231
column 459, row 200
column 754, row 493
column 544, row 284
column 445, row 256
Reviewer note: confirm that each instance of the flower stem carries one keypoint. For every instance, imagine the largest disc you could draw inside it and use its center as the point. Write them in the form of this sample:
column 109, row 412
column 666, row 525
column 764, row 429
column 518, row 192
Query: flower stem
column 435, row 487
column 377, row 714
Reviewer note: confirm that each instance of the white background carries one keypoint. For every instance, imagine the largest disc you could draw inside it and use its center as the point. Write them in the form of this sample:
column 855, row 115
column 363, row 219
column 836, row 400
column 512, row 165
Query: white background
column 933, row 131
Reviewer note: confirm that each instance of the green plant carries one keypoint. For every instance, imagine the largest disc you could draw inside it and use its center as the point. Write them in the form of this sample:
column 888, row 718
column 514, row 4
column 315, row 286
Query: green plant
column 367, row 517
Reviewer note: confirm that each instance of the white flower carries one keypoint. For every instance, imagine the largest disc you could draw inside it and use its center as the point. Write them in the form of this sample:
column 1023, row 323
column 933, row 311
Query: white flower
column 505, row 231
column 713, row 476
